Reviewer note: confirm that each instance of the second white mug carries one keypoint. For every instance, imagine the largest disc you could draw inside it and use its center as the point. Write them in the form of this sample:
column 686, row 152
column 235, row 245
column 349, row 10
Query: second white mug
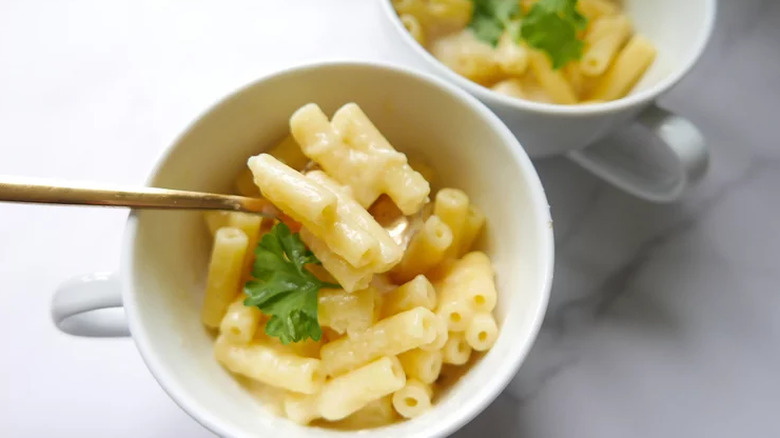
column 680, row 31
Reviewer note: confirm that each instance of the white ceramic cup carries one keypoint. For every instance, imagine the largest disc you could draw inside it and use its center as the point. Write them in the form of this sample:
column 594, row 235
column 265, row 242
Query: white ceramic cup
column 164, row 257
column 657, row 171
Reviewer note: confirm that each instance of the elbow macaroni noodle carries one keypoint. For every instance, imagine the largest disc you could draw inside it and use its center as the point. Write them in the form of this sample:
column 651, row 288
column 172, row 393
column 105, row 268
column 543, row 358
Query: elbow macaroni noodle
column 402, row 310
column 612, row 57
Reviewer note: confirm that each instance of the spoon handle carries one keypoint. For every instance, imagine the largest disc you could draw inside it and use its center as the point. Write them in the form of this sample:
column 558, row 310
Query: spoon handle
column 30, row 191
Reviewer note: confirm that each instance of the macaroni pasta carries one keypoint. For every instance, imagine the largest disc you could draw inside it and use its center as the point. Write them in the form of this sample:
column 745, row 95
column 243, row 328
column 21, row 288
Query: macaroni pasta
column 390, row 281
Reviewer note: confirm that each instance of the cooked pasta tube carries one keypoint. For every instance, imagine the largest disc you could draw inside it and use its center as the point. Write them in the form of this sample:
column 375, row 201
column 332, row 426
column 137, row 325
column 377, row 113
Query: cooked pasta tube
column 224, row 276
column 628, row 68
column 604, row 41
column 271, row 366
column 456, row 351
column 427, row 248
column 413, row 399
column 422, row 365
column 240, row 322
column 482, row 332
column 388, row 337
column 346, row 312
column 418, row 292
column 348, row 393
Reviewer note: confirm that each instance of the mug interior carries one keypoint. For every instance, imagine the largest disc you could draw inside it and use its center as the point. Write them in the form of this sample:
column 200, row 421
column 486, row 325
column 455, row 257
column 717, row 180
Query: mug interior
column 166, row 256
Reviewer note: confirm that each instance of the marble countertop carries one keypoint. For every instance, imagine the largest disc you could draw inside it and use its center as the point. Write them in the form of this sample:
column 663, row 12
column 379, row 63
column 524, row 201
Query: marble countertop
column 664, row 320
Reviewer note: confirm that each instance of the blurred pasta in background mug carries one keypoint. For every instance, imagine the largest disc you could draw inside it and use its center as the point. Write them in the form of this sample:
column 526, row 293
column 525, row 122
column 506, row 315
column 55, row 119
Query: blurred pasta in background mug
column 551, row 51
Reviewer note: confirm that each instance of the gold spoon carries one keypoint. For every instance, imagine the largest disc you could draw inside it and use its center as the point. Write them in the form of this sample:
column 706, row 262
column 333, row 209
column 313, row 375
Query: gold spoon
column 40, row 192
column 37, row 191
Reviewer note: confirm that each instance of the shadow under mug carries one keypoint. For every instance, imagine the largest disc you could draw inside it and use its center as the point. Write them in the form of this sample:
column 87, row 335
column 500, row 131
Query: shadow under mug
column 601, row 137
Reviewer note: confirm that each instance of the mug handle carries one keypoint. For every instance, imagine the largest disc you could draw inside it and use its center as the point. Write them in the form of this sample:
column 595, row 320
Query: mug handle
column 658, row 175
column 78, row 306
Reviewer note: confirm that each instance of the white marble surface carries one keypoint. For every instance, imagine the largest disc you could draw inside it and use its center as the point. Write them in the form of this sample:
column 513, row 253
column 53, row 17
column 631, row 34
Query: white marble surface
column 664, row 320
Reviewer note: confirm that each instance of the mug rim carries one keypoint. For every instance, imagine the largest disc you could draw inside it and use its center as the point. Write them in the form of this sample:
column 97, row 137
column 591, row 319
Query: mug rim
column 503, row 373
column 493, row 98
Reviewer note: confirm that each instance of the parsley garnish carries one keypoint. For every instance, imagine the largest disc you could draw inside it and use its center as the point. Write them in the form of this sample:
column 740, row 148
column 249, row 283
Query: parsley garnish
column 491, row 17
column 284, row 288
column 550, row 26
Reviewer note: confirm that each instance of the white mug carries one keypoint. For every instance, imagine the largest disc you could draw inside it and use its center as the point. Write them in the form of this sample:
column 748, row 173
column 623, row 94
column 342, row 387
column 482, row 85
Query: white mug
column 680, row 30
column 165, row 253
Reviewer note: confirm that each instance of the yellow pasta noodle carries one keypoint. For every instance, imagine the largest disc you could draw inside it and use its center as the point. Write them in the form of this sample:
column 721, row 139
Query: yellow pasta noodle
column 350, row 392
column 533, row 90
column 629, row 66
column 412, row 24
column 376, row 413
column 349, row 277
column 475, row 221
column 417, row 8
column 216, row 219
column 388, row 337
column 451, row 206
column 224, row 276
column 471, row 281
column 406, row 187
column 386, row 252
column 512, row 87
column 438, row 17
column 603, row 41
column 250, row 225
column 270, row 366
column 456, row 312
column 482, row 332
column 456, row 351
column 427, row 248
column 451, row 13
column 553, row 81
column 301, row 198
column 302, row 408
column 595, row 9
column 512, row 57
column 467, row 56
column 573, row 74
column 413, row 399
column 442, row 334
column 422, row 365
column 240, row 322
column 418, row 292
column 271, row 398
column 346, row 312
column 307, row 348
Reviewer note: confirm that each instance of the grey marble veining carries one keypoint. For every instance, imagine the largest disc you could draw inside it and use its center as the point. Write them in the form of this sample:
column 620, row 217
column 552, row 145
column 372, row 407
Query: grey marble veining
column 664, row 320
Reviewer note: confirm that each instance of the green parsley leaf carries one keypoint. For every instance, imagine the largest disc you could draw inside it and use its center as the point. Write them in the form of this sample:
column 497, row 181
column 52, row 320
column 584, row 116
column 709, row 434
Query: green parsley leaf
column 551, row 26
column 491, row 17
column 284, row 288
